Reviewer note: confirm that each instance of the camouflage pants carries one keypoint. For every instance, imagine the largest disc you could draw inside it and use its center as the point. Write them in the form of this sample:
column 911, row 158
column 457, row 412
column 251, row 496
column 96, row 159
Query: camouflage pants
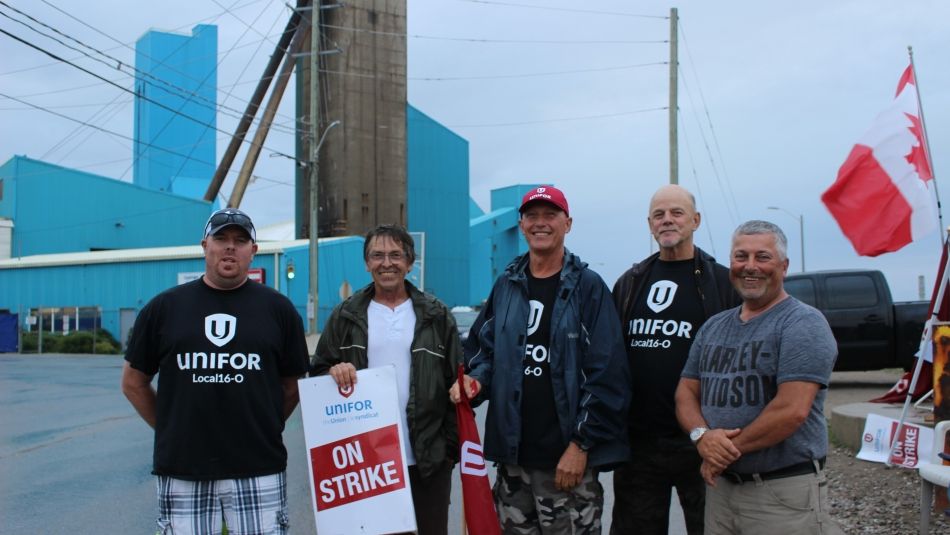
column 529, row 504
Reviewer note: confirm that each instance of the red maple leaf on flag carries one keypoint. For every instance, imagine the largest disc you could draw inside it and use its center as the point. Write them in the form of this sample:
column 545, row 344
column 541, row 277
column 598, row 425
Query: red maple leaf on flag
column 918, row 156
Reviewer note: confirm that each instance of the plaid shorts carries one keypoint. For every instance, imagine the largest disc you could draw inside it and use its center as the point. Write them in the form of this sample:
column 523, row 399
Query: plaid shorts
column 250, row 506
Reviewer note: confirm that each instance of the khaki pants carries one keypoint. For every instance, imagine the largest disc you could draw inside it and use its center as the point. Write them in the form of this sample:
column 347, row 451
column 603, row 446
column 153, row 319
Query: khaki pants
column 797, row 504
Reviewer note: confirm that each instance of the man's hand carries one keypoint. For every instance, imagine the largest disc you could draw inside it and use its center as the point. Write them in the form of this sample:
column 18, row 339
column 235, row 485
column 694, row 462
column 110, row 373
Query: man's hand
column 344, row 374
column 472, row 387
column 571, row 467
column 717, row 449
column 709, row 474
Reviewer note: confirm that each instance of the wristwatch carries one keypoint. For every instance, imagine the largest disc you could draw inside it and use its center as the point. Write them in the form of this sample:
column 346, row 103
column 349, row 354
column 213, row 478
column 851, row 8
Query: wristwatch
column 697, row 433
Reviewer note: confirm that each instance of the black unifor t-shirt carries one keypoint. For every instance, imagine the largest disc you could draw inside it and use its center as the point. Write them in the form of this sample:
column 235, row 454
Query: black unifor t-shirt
column 664, row 323
column 220, row 356
column 541, row 441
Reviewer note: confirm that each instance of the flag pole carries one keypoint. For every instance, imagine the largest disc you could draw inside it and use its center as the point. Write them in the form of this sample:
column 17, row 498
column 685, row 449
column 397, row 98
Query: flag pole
column 925, row 338
column 923, row 127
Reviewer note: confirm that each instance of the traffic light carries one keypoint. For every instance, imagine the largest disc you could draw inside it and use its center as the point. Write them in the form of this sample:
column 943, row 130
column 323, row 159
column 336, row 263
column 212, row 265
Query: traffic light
column 290, row 270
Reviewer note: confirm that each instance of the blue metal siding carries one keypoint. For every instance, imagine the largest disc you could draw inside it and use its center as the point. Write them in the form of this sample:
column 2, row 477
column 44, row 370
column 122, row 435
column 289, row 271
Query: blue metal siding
column 341, row 272
column 114, row 286
column 62, row 210
column 172, row 152
column 438, row 179
column 8, row 199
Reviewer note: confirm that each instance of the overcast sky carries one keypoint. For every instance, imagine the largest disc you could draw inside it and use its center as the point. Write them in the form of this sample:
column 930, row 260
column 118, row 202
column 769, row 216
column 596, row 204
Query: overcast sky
column 772, row 98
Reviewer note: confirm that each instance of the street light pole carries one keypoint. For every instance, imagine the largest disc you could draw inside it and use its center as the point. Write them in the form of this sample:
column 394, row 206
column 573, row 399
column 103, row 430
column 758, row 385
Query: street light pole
column 801, row 229
column 314, row 228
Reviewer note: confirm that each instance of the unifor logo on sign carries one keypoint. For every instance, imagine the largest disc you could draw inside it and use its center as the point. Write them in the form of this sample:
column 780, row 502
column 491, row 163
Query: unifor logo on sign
column 661, row 295
column 220, row 328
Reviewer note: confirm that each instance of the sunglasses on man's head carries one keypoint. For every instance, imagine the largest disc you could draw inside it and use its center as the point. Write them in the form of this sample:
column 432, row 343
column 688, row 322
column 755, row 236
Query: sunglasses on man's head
column 221, row 218
column 225, row 217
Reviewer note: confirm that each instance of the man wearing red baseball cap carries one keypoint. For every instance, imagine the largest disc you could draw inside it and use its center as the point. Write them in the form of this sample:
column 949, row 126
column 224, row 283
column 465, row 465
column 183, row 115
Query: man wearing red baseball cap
column 547, row 351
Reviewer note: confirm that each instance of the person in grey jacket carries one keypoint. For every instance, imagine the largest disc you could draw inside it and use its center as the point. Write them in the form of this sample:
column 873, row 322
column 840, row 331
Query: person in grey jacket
column 547, row 353
column 391, row 322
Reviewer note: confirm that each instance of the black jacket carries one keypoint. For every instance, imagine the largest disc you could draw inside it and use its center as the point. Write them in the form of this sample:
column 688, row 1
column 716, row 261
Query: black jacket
column 712, row 283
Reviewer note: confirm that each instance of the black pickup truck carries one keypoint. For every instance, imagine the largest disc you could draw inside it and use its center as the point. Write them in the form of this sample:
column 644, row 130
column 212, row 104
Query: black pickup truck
column 873, row 332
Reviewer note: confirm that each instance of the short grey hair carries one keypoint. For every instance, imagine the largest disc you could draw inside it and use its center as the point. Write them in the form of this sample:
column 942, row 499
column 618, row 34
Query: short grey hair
column 757, row 226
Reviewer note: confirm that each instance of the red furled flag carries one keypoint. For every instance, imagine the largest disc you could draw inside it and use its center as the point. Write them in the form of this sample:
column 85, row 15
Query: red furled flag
column 884, row 197
column 898, row 392
column 476, row 492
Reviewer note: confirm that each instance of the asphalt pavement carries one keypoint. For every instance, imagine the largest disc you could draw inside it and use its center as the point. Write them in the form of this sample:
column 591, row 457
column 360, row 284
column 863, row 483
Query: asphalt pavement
column 75, row 458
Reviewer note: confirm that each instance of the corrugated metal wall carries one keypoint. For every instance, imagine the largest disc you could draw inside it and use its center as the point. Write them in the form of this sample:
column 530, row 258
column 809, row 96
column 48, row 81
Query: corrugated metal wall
column 57, row 210
column 130, row 285
column 438, row 184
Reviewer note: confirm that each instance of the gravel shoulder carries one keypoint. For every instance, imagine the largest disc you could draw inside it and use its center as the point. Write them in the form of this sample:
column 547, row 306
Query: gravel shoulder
column 866, row 497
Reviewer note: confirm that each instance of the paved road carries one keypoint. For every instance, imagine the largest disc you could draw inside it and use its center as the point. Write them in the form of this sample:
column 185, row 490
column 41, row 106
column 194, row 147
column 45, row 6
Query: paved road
column 75, row 458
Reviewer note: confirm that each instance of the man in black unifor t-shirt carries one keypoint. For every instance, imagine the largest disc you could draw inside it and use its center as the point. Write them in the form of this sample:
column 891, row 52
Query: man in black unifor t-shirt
column 662, row 302
column 547, row 353
column 228, row 352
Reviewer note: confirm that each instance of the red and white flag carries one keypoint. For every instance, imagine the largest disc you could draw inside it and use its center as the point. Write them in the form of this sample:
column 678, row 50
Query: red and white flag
column 884, row 197
column 477, row 500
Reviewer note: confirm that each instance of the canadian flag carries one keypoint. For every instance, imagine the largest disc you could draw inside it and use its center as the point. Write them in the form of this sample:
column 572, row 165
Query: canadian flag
column 884, row 196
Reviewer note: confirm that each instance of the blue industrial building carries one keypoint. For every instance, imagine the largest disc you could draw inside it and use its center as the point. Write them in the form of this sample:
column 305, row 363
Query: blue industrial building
column 55, row 210
column 176, row 84
column 110, row 246
column 437, row 161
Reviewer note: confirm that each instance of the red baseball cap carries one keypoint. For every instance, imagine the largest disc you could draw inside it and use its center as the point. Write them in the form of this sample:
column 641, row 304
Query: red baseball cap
column 548, row 194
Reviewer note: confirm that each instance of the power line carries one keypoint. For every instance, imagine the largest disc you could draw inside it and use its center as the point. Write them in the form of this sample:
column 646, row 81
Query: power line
column 569, row 10
column 123, row 136
column 243, row 114
column 153, row 101
column 731, row 208
column 558, row 120
column 712, row 131
column 68, row 106
column 503, row 41
column 75, row 132
column 119, row 64
column 230, row 10
column 210, row 18
column 699, row 189
column 535, row 74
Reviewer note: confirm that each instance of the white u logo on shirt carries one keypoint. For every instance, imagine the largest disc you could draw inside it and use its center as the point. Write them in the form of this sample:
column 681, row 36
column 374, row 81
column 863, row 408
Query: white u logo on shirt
column 534, row 315
column 661, row 295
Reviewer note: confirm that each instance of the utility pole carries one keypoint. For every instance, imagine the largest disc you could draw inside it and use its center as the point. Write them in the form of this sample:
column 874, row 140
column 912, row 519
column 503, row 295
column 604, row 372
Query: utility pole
column 312, row 305
column 674, row 64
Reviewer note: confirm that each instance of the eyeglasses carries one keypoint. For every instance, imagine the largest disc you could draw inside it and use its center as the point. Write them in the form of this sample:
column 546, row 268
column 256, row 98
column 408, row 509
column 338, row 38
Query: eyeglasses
column 379, row 256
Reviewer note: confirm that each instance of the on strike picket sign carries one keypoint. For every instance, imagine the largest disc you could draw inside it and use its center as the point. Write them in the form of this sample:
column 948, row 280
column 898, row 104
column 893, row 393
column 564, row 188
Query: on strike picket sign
column 359, row 482
column 913, row 447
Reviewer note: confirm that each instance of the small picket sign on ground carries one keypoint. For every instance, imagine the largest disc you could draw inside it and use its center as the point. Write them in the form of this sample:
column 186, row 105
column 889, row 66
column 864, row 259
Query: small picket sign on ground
column 913, row 446
column 359, row 479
